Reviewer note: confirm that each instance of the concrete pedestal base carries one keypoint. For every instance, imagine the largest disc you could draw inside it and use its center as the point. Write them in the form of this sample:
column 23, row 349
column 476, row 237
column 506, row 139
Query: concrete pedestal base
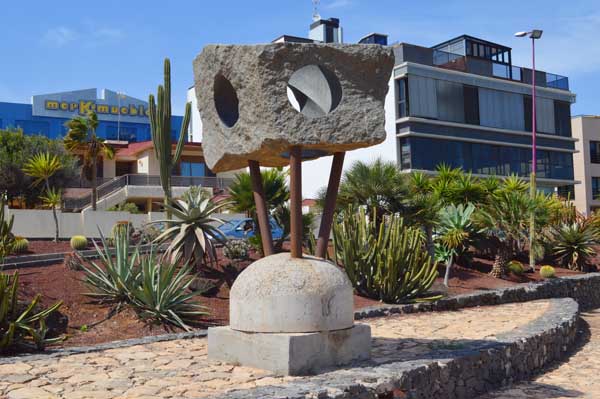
column 290, row 353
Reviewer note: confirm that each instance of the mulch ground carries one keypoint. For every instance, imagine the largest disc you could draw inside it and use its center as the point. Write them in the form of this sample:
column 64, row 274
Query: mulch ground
column 90, row 323
column 46, row 247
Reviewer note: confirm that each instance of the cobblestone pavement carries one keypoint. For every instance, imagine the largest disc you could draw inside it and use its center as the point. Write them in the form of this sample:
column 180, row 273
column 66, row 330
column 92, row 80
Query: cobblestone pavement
column 575, row 378
column 180, row 368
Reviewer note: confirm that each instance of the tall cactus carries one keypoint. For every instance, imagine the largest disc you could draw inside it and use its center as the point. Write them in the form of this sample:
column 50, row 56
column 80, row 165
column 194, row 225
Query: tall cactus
column 160, row 123
column 385, row 261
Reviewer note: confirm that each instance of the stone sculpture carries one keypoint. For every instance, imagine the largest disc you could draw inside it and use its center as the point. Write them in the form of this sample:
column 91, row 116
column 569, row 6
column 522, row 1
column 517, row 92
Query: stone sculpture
column 276, row 105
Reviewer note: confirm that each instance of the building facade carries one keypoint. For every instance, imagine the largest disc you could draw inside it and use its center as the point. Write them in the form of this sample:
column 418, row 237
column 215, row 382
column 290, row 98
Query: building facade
column 133, row 175
column 121, row 117
column 461, row 103
column 464, row 104
column 586, row 163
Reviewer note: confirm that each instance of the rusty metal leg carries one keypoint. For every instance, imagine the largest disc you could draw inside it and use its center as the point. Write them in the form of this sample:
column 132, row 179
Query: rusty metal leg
column 296, row 201
column 329, row 207
column 261, row 208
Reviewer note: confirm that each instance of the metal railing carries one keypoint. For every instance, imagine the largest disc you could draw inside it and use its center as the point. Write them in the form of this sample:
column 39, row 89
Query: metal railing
column 500, row 70
column 77, row 204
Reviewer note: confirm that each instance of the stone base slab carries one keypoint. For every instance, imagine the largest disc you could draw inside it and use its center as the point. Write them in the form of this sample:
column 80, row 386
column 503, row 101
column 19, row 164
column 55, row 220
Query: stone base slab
column 290, row 353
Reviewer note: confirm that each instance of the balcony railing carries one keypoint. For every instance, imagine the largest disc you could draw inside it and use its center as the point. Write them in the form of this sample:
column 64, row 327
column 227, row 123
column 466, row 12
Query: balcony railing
column 77, row 204
column 515, row 73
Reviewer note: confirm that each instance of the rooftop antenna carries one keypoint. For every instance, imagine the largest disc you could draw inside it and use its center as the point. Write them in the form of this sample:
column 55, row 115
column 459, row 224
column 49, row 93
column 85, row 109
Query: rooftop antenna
column 316, row 15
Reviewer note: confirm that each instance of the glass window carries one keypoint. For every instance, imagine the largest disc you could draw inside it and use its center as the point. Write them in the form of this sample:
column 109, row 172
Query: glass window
column 595, row 151
column 527, row 113
column 402, row 98
column 562, row 118
column 596, row 188
column 192, row 169
column 405, row 163
column 566, row 192
column 471, row 99
column 485, row 158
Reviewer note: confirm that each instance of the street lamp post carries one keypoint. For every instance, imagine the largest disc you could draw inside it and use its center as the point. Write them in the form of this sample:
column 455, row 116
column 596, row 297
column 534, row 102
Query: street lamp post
column 533, row 35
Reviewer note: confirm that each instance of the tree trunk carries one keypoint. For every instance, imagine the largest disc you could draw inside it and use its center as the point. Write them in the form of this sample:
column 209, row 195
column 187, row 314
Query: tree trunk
column 500, row 263
column 56, row 232
column 430, row 244
column 94, row 176
column 448, row 267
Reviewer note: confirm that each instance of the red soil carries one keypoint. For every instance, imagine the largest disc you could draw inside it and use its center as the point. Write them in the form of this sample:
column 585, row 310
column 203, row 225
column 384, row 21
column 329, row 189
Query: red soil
column 56, row 282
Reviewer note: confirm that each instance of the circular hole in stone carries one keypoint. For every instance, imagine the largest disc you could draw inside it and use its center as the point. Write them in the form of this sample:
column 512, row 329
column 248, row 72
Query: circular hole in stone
column 314, row 91
column 226, row 101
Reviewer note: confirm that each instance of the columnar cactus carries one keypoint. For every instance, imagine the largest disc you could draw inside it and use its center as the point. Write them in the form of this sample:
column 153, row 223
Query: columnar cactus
column 160, row 123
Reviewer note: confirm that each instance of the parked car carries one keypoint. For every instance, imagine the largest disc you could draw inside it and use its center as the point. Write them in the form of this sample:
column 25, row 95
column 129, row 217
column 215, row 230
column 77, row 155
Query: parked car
column 241, row 229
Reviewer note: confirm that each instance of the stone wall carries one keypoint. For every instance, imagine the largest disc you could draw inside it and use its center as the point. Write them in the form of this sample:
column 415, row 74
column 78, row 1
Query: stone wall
column 449, row 373
column 584, row 288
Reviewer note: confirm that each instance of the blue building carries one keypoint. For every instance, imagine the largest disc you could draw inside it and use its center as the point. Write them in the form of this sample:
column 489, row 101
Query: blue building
column 121, row 118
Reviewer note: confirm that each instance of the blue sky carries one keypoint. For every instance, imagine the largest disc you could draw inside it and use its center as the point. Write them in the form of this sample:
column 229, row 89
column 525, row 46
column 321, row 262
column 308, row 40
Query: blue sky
column 50, row 46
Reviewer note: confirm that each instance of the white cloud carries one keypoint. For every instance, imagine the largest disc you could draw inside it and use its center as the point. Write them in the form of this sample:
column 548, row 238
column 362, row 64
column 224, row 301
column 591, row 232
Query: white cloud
column 337, row 4
column 59, row 36
column 89, row 33
column 107, row 34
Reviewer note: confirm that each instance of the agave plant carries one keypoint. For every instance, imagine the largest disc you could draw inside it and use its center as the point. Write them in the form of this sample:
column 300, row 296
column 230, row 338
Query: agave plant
column 455, row 229
column 118, row 273
column 22, row 325
column 162, row 295
column 573, row 244
column 385, row 261
column 193, row 229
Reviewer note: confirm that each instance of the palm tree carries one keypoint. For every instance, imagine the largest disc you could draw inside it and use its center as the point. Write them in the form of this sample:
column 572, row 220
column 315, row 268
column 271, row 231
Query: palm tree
column 52, row 199
column 42, row 167
column 506, row 219
column 81, row 138
column 274, row 185
column 455, row 229
column 379, row 186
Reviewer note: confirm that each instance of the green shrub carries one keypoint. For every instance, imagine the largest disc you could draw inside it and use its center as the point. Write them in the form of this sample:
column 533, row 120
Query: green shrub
column 236, row 249
column 22, row 325
column 385, row 261
column 547, row 272
column 116, row 274
column 157, row 291
column 149, row 233
column 162, row 295
column 125, row 207
column 574, row 244
column 516, row 267
column 79, row 243
column 20, row 245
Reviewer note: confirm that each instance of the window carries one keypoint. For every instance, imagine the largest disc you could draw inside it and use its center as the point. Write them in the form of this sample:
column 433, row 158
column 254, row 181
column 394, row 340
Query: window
column 527, row 112
column 562, row 118
column 595, row 151
column 487, row 159
column 402, row 98
column 471, row 99
column 192, row 169
column 595, row 188
column 405, row 163
column 566, row 192
column 121, row 132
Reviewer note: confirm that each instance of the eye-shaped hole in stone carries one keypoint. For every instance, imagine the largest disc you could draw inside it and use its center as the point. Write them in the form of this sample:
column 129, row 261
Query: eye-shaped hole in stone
column 314, row 91
column 226, row 101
